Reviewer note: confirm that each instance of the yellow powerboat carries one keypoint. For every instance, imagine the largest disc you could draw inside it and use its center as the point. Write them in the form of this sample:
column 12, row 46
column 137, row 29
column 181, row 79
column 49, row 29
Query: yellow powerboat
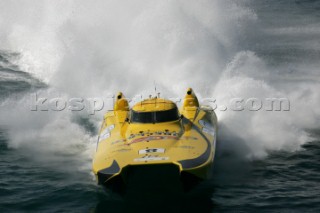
column 155, row 139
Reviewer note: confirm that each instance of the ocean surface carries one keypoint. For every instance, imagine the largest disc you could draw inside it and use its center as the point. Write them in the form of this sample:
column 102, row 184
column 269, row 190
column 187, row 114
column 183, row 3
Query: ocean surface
column 266, row 161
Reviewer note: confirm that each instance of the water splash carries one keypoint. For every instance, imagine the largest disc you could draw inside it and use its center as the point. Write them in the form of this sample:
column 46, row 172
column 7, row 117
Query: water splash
column 95, row 49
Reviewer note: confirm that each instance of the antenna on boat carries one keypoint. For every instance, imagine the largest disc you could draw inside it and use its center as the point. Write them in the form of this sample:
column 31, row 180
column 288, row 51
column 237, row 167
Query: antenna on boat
column 157, row 94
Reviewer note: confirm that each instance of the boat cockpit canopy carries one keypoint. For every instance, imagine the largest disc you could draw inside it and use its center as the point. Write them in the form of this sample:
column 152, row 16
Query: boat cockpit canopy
column 154, row 116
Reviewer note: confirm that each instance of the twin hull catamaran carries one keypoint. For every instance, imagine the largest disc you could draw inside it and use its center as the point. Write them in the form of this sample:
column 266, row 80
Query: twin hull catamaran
column 156, row 140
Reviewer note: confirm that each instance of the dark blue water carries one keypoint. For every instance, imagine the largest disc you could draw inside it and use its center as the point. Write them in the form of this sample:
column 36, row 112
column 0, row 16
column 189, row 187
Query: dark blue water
column 45, row 168
column 282, row 182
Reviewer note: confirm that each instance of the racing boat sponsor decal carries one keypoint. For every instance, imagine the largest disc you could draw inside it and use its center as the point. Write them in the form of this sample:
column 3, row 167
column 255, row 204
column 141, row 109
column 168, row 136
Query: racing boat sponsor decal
column 118, row 141
column 150, row 158
column 156, row 133
column 106, row 133
column 207, row 127
column 153, row 138
column 122, row 150
column 152, row 150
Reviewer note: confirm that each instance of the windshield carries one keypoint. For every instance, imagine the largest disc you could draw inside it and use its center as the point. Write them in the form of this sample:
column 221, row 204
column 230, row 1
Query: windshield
column 154, row 117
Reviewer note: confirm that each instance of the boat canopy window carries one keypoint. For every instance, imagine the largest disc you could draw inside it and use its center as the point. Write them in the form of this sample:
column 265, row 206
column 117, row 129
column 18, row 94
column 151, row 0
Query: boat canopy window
column 155, row 117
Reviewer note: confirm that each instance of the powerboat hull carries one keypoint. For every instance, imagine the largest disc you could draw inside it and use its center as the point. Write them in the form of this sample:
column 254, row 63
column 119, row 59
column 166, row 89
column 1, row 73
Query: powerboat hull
column 156, row 154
